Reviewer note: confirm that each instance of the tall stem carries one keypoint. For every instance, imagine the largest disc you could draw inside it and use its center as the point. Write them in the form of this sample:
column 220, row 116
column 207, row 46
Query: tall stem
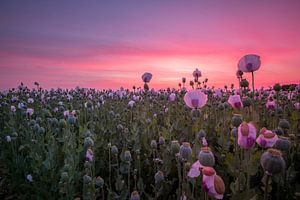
column 266, row 187
column 253, row 83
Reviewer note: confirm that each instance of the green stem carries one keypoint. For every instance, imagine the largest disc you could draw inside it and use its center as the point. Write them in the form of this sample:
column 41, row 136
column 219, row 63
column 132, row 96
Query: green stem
column 266, row 187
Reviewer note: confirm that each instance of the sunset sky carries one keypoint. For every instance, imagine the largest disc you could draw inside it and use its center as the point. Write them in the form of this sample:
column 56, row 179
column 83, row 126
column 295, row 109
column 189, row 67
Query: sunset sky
column 108, row 44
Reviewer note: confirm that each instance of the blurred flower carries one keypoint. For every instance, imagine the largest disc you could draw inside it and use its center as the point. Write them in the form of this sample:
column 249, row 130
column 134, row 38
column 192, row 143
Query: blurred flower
column 212, row 183
column 172, row 97
column 235, row 101
column 89, row 155
column 8, row 138
column 195, row 170
column 204, row 142
column 197, row 74
column 246, row 135
column 249, row 63
column 146, row 77
column 30, row 100
column 267, row 138
column 297, row 105
column 13, row 109
column 131, row 103
column 183, row 80
column 195, row 99
column 271, row 105
column 29, row 178
column 29, row 111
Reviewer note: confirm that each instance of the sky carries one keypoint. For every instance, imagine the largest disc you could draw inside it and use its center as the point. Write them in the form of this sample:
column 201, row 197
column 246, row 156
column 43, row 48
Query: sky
column 109, row 44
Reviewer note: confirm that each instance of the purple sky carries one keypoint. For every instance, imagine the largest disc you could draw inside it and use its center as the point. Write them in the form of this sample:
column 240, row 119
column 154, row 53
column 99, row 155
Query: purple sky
column 108, row 44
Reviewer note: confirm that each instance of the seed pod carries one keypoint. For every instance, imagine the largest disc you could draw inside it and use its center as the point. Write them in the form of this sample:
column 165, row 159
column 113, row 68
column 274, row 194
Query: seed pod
column 206, row 157
column 175, row 147
column 127, row 156
column 283, row 144
column 161, row 140
column 114, row 150
column 135, row 195
column 153, row 144
column 99, row 182
column 236, row 120
column 185, row 150
column 159, row 177
column 272, row 161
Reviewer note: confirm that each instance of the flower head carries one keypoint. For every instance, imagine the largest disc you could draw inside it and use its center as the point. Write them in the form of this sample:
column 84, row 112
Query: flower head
column 246, row 135
column 146, row 77
column 235, row 101
column 266, row 138
column 249, row 63
column 195, row 99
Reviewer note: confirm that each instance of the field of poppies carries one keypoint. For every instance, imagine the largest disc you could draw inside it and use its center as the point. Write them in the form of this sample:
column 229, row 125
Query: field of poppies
column 194, row 142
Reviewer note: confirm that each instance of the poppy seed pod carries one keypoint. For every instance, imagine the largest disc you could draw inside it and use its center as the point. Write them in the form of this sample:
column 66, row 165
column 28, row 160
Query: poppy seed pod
column 64, row 176
column 114, row 150
column 284, row 124
column 234, row 132
column 283, row 144
column 87, row 179
column 161, row 140
column 278, row 131
column 272, row 161
column 244, row 83
column 175, row 147
column 236, row 120
column 153, row 144
column 247, row 102
column 99, row 182
column 201, row 134
column 159, row 177
column 206, row 157
column 135, row 195
column 88, row 142
column 127, row 156
column 185, row 150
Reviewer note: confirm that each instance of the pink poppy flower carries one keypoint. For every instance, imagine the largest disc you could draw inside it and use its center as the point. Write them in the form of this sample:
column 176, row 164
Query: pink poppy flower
column 147, row 77
column 212, row 183
column 249, row 63
column 89, row 155
column 271, row 105
column 235, row 101
column 13, row 109
column 195, row 170
column 266, row 139
column 195, row 99
column 246, row 135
